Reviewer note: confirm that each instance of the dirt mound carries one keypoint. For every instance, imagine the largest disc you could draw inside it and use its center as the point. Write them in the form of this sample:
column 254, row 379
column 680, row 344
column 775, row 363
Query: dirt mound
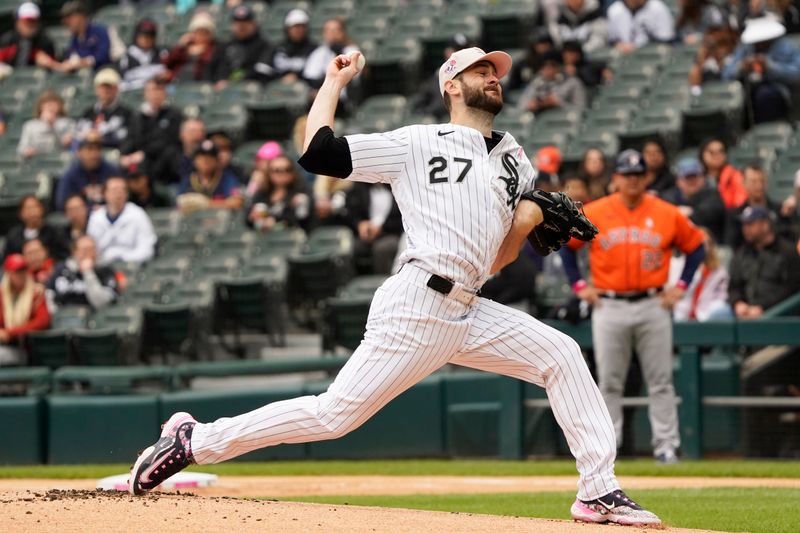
column 83, row 511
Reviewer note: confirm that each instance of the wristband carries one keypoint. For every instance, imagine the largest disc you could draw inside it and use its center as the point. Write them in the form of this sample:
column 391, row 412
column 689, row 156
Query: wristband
column 682, row 285
column 579, row 285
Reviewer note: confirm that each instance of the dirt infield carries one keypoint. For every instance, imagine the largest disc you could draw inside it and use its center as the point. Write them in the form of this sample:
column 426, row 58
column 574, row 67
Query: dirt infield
column 292, row 486
column 94, row 511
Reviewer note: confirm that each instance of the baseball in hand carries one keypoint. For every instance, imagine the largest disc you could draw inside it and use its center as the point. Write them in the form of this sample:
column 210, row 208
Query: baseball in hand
column 360, row 62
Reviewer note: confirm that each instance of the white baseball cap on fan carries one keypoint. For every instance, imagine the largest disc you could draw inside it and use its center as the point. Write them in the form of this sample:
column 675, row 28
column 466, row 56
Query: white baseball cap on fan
column 463, row 59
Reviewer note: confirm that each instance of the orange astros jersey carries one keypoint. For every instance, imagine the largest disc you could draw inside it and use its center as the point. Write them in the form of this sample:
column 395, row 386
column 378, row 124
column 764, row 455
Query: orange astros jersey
column 633, row 249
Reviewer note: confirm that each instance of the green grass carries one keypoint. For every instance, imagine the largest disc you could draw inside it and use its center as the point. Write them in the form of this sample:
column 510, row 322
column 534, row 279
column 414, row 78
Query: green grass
column 642, row 467
column 753, row 510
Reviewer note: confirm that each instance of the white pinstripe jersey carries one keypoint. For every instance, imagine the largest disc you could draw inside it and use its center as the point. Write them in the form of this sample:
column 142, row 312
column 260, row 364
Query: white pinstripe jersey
column 456, row 199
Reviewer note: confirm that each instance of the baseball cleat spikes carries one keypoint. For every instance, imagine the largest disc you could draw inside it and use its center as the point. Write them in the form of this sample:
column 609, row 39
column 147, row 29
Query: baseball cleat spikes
column 168, row 456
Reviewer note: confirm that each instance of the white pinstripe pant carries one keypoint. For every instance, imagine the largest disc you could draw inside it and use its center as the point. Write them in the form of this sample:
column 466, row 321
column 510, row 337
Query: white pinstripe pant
column 411, row 332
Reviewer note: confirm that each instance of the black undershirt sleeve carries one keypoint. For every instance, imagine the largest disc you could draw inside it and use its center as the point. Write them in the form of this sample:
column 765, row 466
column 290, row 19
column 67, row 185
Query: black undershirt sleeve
column 327, row 155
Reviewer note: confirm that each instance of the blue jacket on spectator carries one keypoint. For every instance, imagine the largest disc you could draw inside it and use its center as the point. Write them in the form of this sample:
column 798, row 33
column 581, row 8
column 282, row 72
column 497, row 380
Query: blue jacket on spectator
column 227, row 186
column 96, row 44
column 783, row 62
column 77, row 180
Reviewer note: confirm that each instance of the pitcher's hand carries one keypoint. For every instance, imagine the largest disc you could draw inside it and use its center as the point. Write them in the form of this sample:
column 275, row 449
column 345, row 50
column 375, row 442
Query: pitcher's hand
column 343, row 68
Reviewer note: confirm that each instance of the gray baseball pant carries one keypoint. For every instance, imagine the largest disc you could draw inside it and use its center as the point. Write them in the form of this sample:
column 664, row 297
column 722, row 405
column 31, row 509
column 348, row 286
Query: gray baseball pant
column 619, row 327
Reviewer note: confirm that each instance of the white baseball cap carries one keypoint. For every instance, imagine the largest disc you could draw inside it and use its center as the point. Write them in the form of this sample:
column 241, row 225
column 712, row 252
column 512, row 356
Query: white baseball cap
column 295, row 17
column 28, row 11
column 762, row 29
column 463, row 59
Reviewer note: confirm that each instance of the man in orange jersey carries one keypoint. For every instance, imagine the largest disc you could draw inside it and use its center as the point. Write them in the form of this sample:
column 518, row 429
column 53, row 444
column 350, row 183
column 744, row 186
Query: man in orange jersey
column 629, row 261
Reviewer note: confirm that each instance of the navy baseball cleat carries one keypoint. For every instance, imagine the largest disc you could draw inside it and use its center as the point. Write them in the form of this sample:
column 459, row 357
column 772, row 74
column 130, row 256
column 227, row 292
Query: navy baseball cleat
column 168, row 456
column 614, row 507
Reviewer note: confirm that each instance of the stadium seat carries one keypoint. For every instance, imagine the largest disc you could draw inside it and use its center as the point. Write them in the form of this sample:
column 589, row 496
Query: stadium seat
column 344, row 321
column 336, row 240
column 112, row 379
column 280, row 242
column 274, row 117
column 22, row 381
column 70, row 317
column 394, row 67
column 243, row 303
column 98, row 347
column 124, row 318
column 362, row 286
column 226, row 117
column 50, row 348
column 314, row 278
column 167, row 330
column 771, row 135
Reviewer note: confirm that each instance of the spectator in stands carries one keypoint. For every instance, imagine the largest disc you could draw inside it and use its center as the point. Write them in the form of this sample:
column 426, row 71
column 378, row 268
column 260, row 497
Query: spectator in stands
column 755, row 183
column 49, row 131
column 247, row 56
column 107, row 116
column 224, row 146
column 87, row 174
column 547, row 161
column 209, row 185
column 715, row 52
column 140, row 188
column 90, row 46
column 77, row 212
column 27, row 45
column 40, row 264
column 80, row 281
column 154, row 134
column 373, row 214
column 330, row 196
column 285, row 200
column 335, row 41
column 784, row 11
column 575, row 64
column 594, row 169
column 552, row 88
column 659, row 176
column 769, row 65
column 258, row 178
column 428, row 100
column 728, row 180
column 576, row 20
column 635, row 23
column 523, row 72
column 178, row 160
column 706, row 297
column 696, row 17
column 23, row 309
column 696, row 198
column 194, row 57
column 143, row 59
column 291, row 55
column 33, row 226
column 122, row 231
column 765, row 270
column 577, row 188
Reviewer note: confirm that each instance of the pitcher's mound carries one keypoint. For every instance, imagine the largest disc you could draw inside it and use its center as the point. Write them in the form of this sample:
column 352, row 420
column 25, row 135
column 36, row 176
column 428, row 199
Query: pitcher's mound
column 97, row 511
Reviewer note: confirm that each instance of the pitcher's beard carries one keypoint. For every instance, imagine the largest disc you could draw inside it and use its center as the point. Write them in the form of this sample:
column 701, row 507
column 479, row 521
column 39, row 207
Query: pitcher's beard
column 478, row 99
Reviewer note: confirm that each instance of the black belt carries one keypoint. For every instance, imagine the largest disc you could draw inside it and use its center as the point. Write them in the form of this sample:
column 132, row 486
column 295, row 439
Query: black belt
column 631, row 296
column 442, row 285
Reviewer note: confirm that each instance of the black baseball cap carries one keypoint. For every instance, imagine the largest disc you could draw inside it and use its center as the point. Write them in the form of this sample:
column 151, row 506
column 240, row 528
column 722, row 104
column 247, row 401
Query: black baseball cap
column 243, row 13
column 146, row 27
column 136, row 170
column 753, row 213
column 630, row 162
column 552, row 56
column 206, row 147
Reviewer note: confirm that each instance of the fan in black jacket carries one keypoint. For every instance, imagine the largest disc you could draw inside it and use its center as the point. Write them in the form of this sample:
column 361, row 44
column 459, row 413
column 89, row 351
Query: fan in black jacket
column 247, row 55
column 26, row 45
column 372, row 212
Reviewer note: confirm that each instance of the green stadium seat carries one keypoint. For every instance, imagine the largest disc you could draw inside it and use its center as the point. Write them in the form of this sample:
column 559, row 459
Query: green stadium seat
column 337, row 240
column 50, row 348
column 167, row 329
column 274, row 117
column 516, row 123
column 226, row 117
column 22, row 381
column 344, row 321
column 98, row 347
column 142, row 292
column 452, row 23
column 394, row 66
column 240, row 93
column 419, row 26
column 362, row 286
column 112, row 379
column 124, row 318
column 771, row 135
column 243, row 304
column 70, row 317
column 280, row 242
column 314, row 278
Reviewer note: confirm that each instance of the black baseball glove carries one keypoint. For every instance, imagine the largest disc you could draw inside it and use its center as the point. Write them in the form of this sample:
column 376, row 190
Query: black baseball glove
column 563, row 219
